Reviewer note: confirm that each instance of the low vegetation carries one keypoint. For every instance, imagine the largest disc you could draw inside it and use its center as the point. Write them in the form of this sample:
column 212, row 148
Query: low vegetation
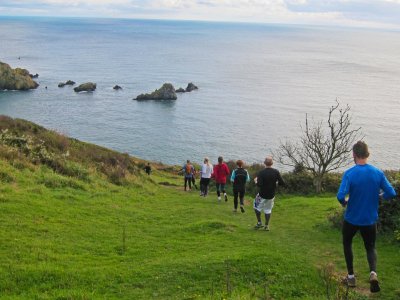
column 83, row 222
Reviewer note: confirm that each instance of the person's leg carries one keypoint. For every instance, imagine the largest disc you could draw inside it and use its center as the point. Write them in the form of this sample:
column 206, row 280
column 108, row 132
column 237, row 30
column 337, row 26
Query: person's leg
column 348, row 232
column 235, row 199
column 194, row 182
column 368, row 234
column 185, row 185
column 218, row 186
column 206, row 183
column 241, row 197
column 190, row 182
column 223, row 190
column 201, row 186
column 267, row 218
column 258, row 216
column 256, row 205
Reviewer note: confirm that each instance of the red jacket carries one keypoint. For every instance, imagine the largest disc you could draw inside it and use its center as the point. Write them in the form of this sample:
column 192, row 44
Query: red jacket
column 221, row 171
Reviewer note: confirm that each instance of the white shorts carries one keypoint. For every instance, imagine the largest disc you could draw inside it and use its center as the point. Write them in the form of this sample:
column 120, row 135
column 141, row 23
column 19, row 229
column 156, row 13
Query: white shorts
column 261, row 204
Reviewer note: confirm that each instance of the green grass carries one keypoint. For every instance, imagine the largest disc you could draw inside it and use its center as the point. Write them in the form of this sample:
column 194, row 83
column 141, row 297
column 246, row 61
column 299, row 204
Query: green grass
column 94, row 240
column 94, row 226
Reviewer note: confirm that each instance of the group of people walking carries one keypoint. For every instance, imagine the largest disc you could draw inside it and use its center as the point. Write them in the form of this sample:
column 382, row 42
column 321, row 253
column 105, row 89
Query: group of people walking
column 266, row 180
column 361, row 189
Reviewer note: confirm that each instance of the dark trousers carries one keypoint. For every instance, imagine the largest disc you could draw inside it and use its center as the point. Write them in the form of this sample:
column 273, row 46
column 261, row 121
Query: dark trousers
column 368, row 234
column 188, row 180
column 204, row 182
column 237, row 194
column 220, row 188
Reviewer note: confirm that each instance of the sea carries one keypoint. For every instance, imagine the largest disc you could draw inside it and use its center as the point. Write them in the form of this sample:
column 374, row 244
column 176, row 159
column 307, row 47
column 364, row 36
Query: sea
column 257, row 83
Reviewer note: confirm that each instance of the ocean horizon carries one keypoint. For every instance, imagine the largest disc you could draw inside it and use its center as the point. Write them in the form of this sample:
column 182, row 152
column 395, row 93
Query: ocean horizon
column 256, row 84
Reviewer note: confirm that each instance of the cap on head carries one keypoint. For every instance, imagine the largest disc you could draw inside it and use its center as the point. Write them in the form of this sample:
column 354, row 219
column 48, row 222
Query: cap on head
column 360, row 150
column 220, row 159
column 268, row 161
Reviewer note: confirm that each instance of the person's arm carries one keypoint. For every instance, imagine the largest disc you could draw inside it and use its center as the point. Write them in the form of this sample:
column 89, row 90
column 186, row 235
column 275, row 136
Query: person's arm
column 247, row 176
column 259, row 180
column 281, row 182
column 343, row 190
column 227, row 170
column 233, row 175
column 388, row 190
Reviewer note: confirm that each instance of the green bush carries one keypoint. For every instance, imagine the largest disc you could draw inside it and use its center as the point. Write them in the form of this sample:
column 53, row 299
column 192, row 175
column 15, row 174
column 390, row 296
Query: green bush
column 68, row 168
column 335, row 217
column 5, row 177
column 57, row 182
column 389, row 212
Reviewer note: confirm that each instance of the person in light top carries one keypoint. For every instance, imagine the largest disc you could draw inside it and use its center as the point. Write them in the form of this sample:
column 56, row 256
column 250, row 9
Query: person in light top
column 205, row 175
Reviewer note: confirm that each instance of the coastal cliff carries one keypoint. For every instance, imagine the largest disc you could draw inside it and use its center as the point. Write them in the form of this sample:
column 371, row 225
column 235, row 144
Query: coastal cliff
column 15, row 79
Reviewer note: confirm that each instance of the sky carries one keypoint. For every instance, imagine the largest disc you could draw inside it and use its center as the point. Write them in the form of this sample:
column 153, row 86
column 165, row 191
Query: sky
column 358, row 13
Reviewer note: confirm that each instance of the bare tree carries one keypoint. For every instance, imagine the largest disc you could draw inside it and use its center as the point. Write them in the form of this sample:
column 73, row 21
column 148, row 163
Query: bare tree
column 321, row 149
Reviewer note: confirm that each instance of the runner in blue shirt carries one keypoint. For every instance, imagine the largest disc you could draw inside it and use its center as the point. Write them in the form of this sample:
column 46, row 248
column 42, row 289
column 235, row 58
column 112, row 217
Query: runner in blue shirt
column 363, row 184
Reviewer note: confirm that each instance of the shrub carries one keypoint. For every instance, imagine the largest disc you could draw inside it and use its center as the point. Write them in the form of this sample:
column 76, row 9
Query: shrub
column 56, row 182
column 68, row 168
column 5, row 177
column 115, row 175
column 298, row 183
column 336, row 217
column 389, row 212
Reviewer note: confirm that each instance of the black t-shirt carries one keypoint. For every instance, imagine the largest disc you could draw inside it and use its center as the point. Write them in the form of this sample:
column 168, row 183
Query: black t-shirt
column 266, row 182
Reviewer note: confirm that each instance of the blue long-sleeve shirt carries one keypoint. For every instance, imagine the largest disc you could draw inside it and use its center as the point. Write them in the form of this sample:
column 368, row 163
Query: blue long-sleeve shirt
column 363, row 184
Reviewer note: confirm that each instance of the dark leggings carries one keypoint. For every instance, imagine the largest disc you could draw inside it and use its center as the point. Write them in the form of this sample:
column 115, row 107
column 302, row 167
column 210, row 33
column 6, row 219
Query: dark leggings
column 220, row 188
column 368, row 234
column 204, row 182
column 235, row 198
column 188, row 180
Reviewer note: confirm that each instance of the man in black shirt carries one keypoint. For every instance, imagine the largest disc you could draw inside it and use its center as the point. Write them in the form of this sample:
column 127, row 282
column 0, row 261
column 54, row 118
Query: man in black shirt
column 266, row 181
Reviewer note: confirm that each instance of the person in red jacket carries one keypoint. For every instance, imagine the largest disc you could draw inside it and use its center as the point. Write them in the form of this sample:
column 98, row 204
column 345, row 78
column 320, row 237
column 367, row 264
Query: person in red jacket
column 221, row 171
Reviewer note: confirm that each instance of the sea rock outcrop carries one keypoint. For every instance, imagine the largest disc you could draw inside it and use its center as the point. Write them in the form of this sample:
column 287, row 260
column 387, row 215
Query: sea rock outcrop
column 180, row 90
column 166, row 92
column 191, row 87
column 15, row 79
column 117, row 87
column 68, row 82
column 86, row 87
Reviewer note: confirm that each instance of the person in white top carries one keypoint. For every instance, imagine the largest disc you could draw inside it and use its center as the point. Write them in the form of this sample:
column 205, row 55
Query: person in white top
column 206, row 171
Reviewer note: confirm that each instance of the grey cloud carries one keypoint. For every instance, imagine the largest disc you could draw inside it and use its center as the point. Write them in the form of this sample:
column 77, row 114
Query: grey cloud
column 381, row 11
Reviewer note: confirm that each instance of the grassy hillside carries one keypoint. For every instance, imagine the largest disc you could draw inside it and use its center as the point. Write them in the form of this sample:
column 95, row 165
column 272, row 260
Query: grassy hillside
column 82, row 222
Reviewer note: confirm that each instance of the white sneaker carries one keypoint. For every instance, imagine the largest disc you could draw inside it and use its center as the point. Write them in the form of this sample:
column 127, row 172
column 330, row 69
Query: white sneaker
column 219, row 198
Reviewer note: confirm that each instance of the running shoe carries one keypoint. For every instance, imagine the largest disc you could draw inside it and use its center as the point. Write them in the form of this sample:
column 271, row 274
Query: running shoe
column 258, row 226
column 374, row 283
column 226, row 198
column 234, row 210
column 219, row 199
column 350, row 282
column 266, row 228
column 242, row 209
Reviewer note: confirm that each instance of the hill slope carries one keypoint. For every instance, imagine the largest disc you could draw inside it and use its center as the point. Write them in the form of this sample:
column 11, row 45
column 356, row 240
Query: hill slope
column 82, row 222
